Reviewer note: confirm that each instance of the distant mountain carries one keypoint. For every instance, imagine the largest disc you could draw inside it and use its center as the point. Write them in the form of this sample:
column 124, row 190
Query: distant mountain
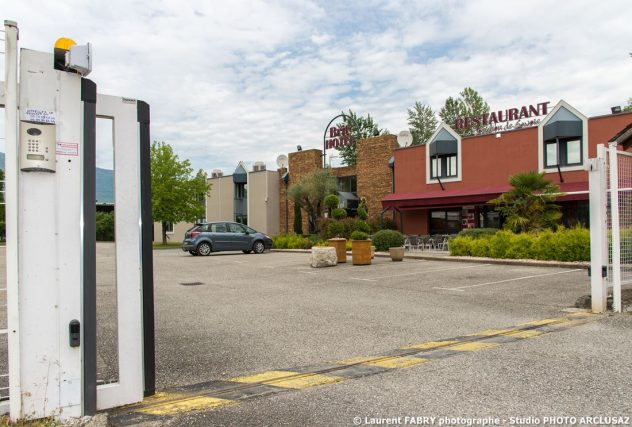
column 104, row 180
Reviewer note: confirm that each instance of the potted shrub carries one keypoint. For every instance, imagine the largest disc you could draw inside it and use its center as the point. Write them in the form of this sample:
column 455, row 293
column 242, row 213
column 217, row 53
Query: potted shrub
column 390, row 240
column 360, row 248
column 341, row 248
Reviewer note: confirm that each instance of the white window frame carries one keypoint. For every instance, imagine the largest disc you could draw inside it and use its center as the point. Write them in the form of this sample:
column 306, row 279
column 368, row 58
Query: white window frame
column 459, row 157
column 584, row 159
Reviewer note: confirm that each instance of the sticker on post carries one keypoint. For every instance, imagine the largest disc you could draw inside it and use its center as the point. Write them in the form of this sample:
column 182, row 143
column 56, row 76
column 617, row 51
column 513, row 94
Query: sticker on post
column 67, row 149
column 40, row 116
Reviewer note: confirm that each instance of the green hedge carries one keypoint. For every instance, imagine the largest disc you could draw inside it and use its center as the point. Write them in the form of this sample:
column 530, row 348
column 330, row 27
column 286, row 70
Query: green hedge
column 293, row 241
column 476, row 233
column 385, row 239
column 562, row 245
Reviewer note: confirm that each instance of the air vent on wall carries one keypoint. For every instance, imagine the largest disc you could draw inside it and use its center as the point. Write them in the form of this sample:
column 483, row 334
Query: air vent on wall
column 258, row 166
column 217, row 173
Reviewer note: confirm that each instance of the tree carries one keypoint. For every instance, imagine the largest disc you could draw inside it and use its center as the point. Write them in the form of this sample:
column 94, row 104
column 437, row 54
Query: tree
column 529, row 205
column 177, row 195
column 360, row 128
column 310, row 192
column 468, row 104
column 422, row 122
column 628, row 107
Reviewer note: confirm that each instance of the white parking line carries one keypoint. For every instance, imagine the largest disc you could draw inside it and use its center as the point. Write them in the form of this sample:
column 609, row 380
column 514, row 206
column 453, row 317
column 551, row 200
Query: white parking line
column 462, row 288
column 375, row 279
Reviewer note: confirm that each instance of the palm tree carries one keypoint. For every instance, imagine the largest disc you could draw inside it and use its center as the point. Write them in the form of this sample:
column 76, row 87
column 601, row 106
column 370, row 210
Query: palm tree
column 530, row 204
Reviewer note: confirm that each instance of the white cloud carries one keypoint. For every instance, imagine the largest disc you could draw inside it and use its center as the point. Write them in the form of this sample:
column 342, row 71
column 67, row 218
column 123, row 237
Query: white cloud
column 248, row 80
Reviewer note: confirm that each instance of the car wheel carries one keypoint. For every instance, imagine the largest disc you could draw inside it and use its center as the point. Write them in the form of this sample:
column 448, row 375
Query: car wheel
column 193, row 253
column 246, row 252
column 204, row 249
column 258, row 247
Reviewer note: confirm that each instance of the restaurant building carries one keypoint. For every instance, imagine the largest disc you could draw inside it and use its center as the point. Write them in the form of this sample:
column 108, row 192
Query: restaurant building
column 445, row 185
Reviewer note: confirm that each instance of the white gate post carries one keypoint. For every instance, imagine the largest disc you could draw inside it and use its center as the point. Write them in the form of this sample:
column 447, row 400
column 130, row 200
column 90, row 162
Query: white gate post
column 11, row 209
column 616, row 231
column 598, row 229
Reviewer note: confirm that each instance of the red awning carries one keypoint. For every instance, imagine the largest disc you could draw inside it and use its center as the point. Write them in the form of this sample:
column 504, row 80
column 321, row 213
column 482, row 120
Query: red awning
column 454, row 198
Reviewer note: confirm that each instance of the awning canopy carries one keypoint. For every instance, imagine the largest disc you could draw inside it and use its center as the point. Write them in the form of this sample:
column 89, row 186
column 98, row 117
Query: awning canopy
column 476, row 196
column 347, row 196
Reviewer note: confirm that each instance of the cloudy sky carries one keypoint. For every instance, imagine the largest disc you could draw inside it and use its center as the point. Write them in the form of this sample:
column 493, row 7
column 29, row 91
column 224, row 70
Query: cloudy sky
column 249, row 80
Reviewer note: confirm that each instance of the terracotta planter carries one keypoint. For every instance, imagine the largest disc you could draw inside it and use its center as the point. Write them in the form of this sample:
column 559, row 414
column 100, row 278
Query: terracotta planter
column 341, row 248
column 397, row 254
column 361, row 252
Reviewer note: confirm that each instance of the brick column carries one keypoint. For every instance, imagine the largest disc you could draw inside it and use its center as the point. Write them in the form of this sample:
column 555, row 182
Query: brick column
column 374, row 176
column 300, row 164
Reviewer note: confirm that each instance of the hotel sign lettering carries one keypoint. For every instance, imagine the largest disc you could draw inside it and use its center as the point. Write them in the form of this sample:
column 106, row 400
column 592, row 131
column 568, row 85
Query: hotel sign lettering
column 338, row 137
column 500, row 120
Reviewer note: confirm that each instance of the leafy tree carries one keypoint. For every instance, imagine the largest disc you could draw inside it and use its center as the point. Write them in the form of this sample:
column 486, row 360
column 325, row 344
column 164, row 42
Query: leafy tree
column 422, row 122
column 360, row 128
column 469, row 103
column 530, row 204
column 105, row 226
column 628, row 107
column 298, row 220
column 177, row 195
column 310, row 193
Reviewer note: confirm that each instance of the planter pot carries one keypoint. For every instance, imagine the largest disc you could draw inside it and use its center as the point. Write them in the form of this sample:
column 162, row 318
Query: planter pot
column 341, row 248
column 361, row 252
column 397, row 254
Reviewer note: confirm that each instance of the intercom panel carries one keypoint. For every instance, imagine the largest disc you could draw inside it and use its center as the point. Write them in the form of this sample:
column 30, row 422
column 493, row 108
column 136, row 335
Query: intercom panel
column 37, row 147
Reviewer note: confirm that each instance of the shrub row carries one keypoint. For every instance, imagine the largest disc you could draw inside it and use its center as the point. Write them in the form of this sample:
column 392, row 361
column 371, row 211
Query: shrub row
column 293, row 241
column 562, row 245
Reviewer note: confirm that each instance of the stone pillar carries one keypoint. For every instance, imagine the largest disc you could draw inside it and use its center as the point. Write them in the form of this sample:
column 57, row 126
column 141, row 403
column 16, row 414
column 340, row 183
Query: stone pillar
column 300, row 164
column 374, row 176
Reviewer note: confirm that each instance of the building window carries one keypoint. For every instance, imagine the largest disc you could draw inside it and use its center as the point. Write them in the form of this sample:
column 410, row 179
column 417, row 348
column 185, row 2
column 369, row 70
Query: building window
column 562, row 142
column 348, row 184
column 445, row 221
column 563, row 152
column 241, row 191
column 444, row 166
column 443, row 156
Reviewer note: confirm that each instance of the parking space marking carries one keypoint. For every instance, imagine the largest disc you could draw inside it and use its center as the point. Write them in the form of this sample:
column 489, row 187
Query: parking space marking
column 462, row 288
column 375, row 279
column 218, row 394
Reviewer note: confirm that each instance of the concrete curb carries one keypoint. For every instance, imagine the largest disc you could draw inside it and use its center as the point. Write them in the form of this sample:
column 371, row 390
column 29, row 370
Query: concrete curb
column 479, row 260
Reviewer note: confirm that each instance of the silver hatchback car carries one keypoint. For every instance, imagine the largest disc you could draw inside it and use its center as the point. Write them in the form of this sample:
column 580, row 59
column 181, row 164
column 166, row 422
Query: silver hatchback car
column 224, row 236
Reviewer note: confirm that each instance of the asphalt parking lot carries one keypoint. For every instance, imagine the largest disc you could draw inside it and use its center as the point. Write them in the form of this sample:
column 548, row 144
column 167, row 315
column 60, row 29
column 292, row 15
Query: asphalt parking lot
column 248, row 314
column 242, row 315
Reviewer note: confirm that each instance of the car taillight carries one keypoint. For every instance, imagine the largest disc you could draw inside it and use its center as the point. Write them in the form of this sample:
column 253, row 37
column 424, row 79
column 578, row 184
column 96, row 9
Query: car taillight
column 194, row 233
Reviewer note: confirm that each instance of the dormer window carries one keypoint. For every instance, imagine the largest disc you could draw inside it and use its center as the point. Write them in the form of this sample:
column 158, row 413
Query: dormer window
column 444, row 156
column 562, row 139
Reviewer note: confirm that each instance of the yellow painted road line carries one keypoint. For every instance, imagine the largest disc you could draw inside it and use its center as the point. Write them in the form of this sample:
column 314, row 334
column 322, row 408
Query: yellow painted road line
column 524, row 334
column 190, row 404
column 473, row 346
column 430, row 345
column 288, row 379
column 397, row 362
column 491, row 332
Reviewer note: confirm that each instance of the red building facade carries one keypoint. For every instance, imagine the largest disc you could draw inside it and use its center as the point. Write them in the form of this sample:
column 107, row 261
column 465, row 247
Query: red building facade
column 445, row 185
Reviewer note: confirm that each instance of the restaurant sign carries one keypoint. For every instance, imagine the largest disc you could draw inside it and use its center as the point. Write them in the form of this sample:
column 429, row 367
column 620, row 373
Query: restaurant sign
column 504, row 120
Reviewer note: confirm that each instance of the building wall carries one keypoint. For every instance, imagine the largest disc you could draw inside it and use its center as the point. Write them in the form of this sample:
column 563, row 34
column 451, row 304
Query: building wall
column 263, row 201
column 178, row 232
column 221, row 198
column 373, row 174
column 488, row 161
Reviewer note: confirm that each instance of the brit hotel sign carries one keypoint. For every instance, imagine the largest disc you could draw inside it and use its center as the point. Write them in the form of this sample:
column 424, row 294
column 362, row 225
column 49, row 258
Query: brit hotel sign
column 504, row 120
